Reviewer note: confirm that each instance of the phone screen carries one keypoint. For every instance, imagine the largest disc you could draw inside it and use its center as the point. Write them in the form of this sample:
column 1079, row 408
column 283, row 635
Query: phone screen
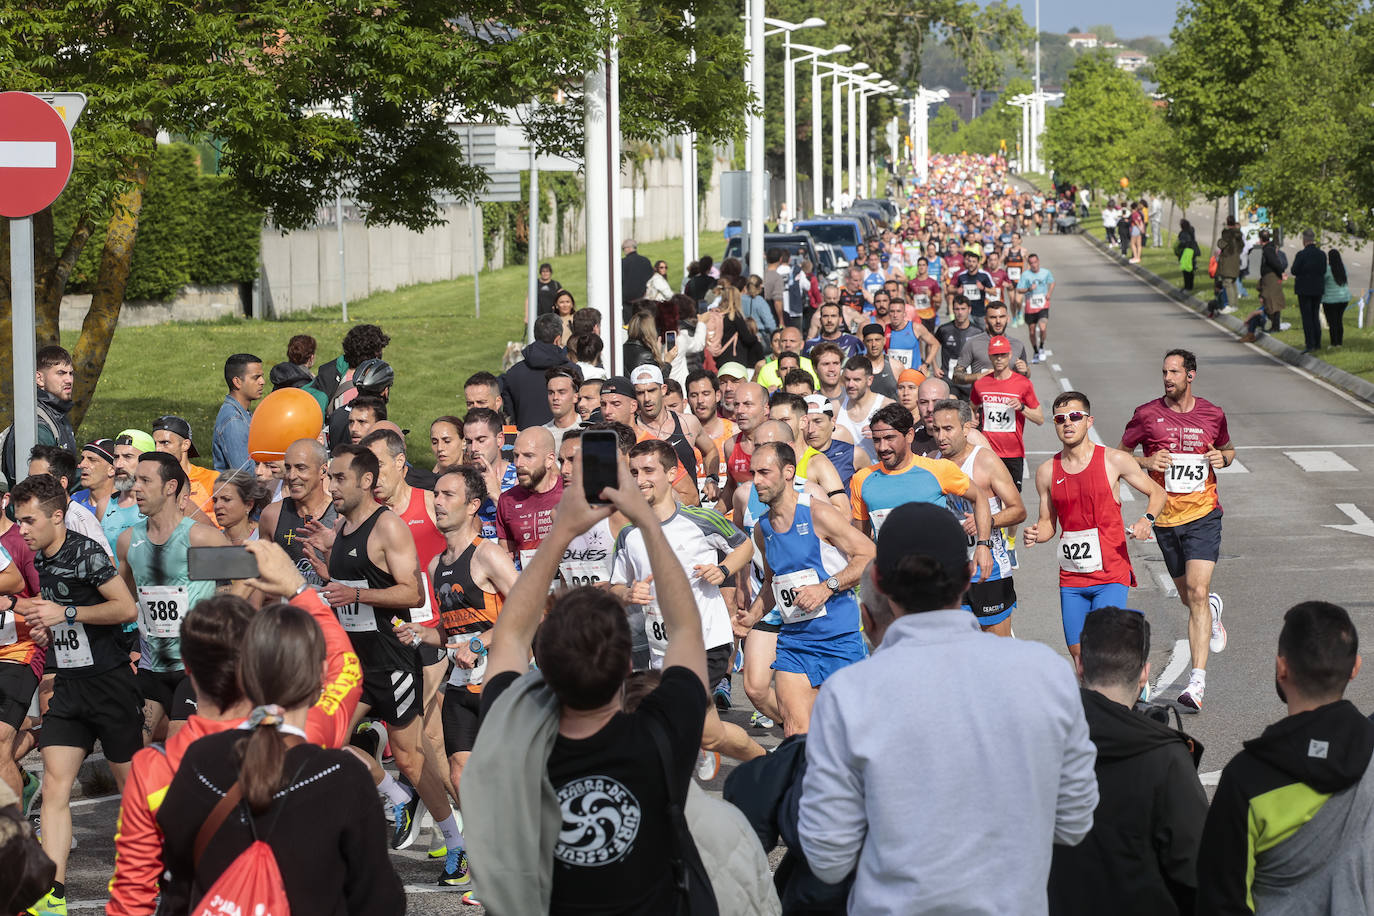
column 220, row 563
column 598, row 463
column 670, row 339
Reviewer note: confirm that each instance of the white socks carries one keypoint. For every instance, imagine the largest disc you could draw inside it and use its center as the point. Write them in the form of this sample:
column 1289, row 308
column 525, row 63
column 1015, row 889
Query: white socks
column 453, row 837
column 395, row 793
column 1199, row 677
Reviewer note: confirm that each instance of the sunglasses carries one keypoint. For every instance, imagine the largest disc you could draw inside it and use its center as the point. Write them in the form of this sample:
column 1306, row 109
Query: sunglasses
column 1073, row 416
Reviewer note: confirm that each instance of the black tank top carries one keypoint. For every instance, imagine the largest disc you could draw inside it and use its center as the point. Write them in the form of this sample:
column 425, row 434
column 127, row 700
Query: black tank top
column 463, row 606
column 289, row 536
column 678, row 440
column 369, row 628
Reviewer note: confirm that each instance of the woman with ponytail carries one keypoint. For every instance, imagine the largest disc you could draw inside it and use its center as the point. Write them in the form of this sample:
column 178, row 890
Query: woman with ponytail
column 316, row 808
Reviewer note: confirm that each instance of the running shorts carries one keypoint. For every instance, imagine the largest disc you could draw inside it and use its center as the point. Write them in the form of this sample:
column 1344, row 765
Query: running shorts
column 718, row 663
column 991, row 602
column 460, row 714
column 819, row 660
column 1199, row 539
column 1076, row 602
column 393, row 694
column 107, row 708
column 160, row 686
column 1042, row 315
column 1016, row 467
column 18, row 684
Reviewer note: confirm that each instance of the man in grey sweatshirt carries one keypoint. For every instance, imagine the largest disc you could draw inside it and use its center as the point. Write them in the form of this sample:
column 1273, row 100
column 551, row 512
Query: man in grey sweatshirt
column 945, row 766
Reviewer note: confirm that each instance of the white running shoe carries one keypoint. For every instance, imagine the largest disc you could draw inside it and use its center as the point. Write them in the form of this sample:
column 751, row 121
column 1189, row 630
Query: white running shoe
column 1191, row 697
column 708, row 766
column 1218, row 642
column 1045, row 351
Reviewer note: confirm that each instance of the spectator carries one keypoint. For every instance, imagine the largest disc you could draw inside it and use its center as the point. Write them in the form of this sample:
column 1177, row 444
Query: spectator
column 986, row 829
column 755, row 306
column 1292, row 821
column 700, row 283
column 229, row 445
column 585, row 350
column 372, row 381
column 729, row 338
column 1309, row 284
column 1109, row 217
column 1229, row 248
column 300, row 349
column 635, row 271
column 658, row 288
column 642, row 346
column 1156, row 220
column 775, row 283
column 55, row 377
column 361, row 343
column 1187, row 251
column 547, row 289
column 292, row 375
column 692, row 332
column 586, row 321
column 1142, row 851
column 331, row 846
column 1335, row 297
column 523, row 385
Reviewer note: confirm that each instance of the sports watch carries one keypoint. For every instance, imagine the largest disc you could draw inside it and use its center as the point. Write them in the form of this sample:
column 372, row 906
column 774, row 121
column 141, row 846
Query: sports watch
column 833, row 584
column 71, row 615
column 475, row 646
column 985, row 542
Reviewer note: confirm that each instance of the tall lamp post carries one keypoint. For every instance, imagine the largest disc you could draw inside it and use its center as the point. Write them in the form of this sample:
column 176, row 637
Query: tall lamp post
column 841, row 74
column 813, row 55
column 865, row 92
column 920, row 127
column 789, row 101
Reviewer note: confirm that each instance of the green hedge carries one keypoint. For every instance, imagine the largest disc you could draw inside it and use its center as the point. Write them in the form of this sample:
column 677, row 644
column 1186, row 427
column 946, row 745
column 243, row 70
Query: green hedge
column 194, row 228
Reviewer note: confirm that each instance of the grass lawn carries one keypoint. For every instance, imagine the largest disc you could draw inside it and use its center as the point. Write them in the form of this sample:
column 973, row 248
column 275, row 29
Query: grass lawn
column 1355, row 357
column 436, row 343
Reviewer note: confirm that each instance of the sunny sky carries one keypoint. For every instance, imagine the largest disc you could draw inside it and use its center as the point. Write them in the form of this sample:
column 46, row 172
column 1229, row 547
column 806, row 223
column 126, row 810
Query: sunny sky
column 1131, row 20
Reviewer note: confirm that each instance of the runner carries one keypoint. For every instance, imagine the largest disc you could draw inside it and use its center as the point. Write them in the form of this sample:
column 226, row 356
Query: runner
column 991, row 600
column 373, row 576
column 825, row 437
column 153, row 558
column 1036, row 286
column 1079, row 493
column 524, row 513
column 239, row 500
column 829, row 361
column 882, row 370
column 113, row 508
column 833, row 332
column 1006, row 400
column 1185, row 440
column 561, row 384
column 751, row 409
column 482, row 431
column 908, row 390
column 587, row 559
column 924, row 292
column 589, row 400
column 684, row 434
column 95, row 696
column 471, row 577
column 812, row 559
column 909, row 344
column 974, row 361
column 859, row 404
column 974, row 284
column 306, row 510
column 952, row 335
column 703, row 399
column 901, row 477
column 446, row 442
column 813, row 467
column 1015, row 259
column 698, row 537
column 20, row 668
column 172, row 435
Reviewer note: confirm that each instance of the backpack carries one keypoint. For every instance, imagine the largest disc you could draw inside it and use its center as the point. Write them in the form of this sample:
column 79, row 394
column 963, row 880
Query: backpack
column 798, row 292
column 695, row 896
column 8, row 473
column 1283, row 259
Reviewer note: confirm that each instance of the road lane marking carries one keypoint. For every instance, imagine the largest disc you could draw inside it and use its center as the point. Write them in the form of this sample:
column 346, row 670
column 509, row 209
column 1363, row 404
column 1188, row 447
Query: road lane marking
column 1055, row 367
column 1320, row 462
column 1166, row 583
column 1179, row 659
column 1235, row 468
column 1064, row 384
column 1363, row 524
column 1210, row 779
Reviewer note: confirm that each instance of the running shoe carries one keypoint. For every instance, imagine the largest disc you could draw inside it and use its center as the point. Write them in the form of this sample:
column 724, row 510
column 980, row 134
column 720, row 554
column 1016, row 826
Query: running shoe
column 722, row 694
column 49, row 905
column 469, row 900
column 759, row 720
column 1011, row 557
column 1045, row 351
column 708, row 766
column 1035, row 358
column 370, row 736
column 406, row 822
column 738, row 665
column 1191, row 697
column 31, row 786
column 456, row 870
column 438, row 851
column 1218, row 642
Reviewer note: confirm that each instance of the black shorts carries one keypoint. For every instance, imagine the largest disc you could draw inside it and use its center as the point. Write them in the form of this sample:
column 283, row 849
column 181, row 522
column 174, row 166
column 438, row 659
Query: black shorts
column 1016, row 467
column 718, row 663
column 431, row 655
column 764, row 627
column 107, row 707
column 17, row 686
column 161, row 686
column 184, row 703
column 1199, row 539
column 929, row 324
column 460, row 716
column 393, row 694
column 991, row 602
column 1036, row 317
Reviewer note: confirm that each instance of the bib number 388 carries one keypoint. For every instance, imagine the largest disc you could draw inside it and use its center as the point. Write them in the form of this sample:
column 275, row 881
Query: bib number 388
column 161, row 608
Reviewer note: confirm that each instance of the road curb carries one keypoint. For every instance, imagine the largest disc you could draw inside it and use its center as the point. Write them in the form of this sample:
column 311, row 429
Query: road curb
column 1350, row 384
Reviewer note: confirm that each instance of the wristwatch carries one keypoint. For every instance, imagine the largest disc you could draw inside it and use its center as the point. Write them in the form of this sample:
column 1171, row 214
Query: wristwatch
column 723, row 570
column 985, row 542
column 1149, row 518
column 475, row 646
column 833, row 584
column 71, row 615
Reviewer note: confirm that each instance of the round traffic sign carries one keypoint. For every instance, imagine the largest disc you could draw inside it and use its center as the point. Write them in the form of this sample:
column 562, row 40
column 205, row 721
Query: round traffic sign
column 35, row 154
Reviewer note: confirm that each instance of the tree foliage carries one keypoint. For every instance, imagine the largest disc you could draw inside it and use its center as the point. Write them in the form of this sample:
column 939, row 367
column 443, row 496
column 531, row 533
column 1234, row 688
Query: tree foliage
column 985, row 134
column 1092, row 139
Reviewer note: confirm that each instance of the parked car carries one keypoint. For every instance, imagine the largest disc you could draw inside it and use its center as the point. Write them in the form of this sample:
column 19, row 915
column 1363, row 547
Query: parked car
column 843, row 231
column 888, row 207
column 797, row 244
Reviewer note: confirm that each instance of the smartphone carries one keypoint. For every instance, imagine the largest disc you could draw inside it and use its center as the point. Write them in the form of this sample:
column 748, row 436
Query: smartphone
column 599, row 467
column 222, row 563
column 669, row 339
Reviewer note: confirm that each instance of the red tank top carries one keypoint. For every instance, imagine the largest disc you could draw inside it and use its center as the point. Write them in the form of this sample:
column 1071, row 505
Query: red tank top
column 1092, row 539
column 739, row 462
column 429, row 543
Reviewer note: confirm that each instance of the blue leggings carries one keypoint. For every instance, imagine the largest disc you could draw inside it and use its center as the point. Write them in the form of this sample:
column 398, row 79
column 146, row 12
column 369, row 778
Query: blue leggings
column 1075, row 603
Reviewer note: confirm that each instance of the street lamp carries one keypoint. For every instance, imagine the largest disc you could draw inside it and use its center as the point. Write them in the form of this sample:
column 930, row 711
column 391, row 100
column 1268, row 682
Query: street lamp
column 789, row 101
column 854, row 127
column 814, row 55
column 919, row 116
column 865, row 91
column 838, row 71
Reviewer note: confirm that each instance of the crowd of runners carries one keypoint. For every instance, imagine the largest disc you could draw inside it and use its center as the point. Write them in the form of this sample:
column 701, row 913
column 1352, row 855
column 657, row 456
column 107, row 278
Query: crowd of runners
column 757, row 527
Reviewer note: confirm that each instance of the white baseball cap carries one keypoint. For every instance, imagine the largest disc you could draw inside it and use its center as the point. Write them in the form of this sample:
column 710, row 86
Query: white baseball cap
column 819, row 403
column 646, row 375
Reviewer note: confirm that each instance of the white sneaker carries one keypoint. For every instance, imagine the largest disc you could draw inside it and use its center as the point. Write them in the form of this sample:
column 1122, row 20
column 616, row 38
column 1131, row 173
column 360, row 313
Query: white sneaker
column 1191, row 697
column 1218, row 642
column 708, row 766
column 1045, row 351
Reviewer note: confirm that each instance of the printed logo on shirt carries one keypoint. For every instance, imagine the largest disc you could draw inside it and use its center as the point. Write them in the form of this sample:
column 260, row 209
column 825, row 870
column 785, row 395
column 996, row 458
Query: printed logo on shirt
column 1317, row 749
column 600, row 821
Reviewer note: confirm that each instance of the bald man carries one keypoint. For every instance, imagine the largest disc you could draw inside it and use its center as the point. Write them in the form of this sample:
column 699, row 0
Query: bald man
column 931, row 392
column 751, row 409
column 305, row 508
column 524, row 513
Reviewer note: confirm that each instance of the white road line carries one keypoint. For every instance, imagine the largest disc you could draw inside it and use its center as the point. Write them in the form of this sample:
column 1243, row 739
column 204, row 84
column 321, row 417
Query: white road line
column 1320, row 462
column 1064, row 384
column 1055, row 367
column 83, row 802
column 28, row 154
column 1166, row 584
column 1235, row 468
column 1210, row 779
column 1179, row 660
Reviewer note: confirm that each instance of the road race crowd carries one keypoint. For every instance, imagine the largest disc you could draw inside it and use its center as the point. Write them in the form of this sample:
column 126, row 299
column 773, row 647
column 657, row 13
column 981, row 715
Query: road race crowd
column 815, row 499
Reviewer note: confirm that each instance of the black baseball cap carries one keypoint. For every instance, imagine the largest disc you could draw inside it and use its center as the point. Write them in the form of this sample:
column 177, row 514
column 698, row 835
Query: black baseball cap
column 873, row 329
column 102, row 449
column 921, row 529
column 618, row 384
column 177, row 426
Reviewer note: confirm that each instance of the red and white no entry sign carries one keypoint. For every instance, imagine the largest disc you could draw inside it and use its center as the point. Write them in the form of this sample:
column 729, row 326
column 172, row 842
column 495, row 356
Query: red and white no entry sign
column 35, row 154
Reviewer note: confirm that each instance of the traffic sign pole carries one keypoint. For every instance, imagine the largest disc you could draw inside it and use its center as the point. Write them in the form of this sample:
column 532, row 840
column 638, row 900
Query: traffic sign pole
column 25, row 360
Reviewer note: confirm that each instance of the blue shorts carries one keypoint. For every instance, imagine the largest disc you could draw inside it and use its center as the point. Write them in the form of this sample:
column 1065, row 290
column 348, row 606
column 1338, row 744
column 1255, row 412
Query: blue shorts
column 819, row 660
column 1075, row 603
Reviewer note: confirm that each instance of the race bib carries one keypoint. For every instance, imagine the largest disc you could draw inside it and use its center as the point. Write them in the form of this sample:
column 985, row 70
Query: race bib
column 922, row 301
column 1186, row 474
column 877, row 517
column 995, row 294
column 1036, row 303
column 70, row 646
column 655, row 629
column 160, row 610
column 425, row 611
column 585, row 572
column 901, row 356
column 785, row 589
column 1013, row 273
column 526, row 556
column 8, row 634
column 1080, row 551
column 462, row 677
column 998, row 418
column 356, row 617
column 972, row 291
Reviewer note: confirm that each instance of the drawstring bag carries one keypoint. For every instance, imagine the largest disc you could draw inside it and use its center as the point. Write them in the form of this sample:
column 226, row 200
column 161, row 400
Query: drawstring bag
column 1212, row 265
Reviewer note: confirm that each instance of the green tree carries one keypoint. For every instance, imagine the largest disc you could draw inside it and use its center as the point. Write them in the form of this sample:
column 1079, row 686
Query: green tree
column 985, row 134
column 1092, row 139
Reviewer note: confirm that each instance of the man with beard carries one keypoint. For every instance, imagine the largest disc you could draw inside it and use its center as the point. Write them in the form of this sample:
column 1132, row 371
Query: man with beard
column 524, row 513
column 483, row 432
column 306, row 510
column 112, row 505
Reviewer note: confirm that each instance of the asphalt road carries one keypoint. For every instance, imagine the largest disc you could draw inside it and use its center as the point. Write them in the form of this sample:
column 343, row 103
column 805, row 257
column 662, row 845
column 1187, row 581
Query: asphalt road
column 1304, row 452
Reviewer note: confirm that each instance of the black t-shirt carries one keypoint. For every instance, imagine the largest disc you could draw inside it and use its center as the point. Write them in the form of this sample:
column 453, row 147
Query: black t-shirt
column 951, row 338
column 613, row 851
column 72, row 578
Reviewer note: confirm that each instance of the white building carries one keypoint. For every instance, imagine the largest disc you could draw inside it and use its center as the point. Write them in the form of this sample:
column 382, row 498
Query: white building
column 1131, row 61
column 1083, row 40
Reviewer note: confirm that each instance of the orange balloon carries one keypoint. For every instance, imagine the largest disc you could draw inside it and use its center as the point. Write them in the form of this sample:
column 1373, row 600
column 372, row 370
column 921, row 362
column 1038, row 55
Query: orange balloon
column 1125, row 183
column 284, row 416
